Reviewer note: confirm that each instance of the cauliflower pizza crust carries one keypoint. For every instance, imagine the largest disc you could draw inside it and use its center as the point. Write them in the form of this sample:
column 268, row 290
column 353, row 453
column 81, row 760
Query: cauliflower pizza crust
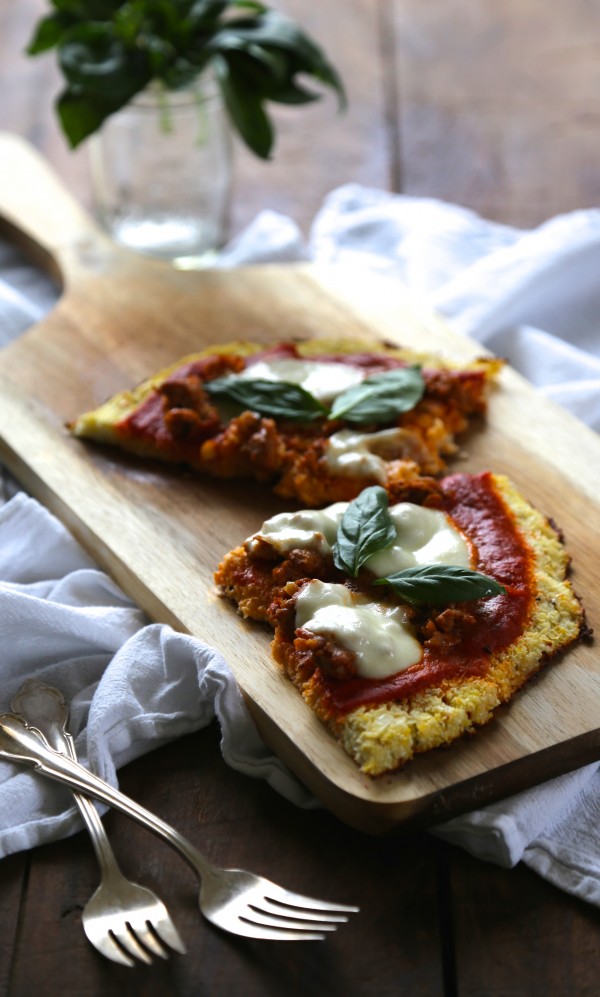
column 471, row 656
column 179, row 416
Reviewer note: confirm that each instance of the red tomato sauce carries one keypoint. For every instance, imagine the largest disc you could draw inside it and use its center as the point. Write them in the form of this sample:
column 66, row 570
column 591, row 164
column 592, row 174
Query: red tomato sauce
column 147, row 421
column 366, row 361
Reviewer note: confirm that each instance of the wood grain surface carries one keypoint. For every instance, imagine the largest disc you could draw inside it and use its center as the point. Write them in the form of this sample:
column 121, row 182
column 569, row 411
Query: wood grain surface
column 161, row 533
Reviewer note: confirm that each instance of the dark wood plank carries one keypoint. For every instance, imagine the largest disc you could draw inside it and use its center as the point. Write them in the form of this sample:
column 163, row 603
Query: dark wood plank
column 500, row 105
column 393, row 943
column 517, row 934
column 14, row 871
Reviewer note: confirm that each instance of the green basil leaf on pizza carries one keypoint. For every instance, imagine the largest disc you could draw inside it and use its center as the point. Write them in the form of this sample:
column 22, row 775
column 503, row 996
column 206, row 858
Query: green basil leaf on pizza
column 380, row 398
column 366, row 528
column 437, row 584
column 277, row 399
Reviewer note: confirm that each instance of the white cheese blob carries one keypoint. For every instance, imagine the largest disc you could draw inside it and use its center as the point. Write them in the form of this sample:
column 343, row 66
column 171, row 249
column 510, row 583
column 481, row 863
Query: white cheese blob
column 423, row 536
column 364, row 455
column 378, row 635
column 323, row 379
column 308, row 529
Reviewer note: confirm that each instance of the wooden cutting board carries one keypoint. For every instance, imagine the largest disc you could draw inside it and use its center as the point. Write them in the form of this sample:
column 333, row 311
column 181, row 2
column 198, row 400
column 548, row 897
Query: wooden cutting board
column 161, row 533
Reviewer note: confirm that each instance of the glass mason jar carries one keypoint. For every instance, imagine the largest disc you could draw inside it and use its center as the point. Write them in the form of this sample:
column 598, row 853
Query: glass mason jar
column 161, row 173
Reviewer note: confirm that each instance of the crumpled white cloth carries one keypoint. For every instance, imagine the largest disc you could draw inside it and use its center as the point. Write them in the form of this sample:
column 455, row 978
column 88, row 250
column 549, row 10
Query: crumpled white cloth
column 130, row 685
column 530, row 296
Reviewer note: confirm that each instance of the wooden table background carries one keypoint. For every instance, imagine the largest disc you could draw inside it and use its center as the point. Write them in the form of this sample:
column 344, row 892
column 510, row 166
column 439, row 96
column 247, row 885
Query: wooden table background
column 493, row 106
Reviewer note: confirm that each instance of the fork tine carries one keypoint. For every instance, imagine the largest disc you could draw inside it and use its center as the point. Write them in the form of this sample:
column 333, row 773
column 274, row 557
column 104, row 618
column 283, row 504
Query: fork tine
column 140, row 930
column 107, row 947
column 128, row 941
column 279, row 895
column 258, row 916
column 313, row 914
column 167, row 932
column 250, row 930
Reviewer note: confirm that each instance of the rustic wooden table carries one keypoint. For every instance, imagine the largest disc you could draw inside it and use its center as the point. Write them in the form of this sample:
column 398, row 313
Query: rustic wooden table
column 493, row 106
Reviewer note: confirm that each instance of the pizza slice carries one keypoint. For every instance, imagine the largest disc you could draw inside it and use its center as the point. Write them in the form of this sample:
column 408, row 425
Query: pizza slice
column 317, row 420
column 404, row 626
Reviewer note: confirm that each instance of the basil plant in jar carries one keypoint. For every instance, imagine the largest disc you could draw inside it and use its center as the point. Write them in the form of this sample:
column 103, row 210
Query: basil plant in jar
column 158, row 86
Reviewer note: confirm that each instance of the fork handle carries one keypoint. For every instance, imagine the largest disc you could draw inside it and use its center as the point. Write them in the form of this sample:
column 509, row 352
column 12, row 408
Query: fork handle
column 44, row 708
column 93, row 822
column 22, row 743
column 95, row 828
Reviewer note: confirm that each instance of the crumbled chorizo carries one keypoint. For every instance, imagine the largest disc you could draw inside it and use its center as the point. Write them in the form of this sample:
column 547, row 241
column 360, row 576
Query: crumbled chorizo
column 183, row 392
column 303, row 564
column 188, row 412
column 249, row 444
column 334, row 661
column 447, row 628
column 188, row 426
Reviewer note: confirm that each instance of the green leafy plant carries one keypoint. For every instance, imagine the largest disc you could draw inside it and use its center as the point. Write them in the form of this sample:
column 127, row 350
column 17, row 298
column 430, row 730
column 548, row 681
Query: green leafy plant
column 110, row 51
column 367, row 527
column 376, row 399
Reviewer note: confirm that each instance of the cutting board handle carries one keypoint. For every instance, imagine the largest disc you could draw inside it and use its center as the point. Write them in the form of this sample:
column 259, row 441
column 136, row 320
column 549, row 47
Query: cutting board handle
column 41, row 214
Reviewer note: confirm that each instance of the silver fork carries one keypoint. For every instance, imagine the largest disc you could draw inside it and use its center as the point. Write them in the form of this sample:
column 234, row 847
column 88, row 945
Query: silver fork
column 234, row 899
column 124, row 921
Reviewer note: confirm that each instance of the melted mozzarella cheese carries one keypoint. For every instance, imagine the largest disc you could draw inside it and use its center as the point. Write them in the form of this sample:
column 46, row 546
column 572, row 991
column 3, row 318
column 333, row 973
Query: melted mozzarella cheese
column 364, row 455
column 378, row 635
column 308, row 529
column 323, row 379
column 423, row 536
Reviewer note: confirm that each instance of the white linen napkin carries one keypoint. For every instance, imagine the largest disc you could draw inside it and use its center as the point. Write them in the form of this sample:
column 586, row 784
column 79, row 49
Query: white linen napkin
column 131, row 685
column 533, row 297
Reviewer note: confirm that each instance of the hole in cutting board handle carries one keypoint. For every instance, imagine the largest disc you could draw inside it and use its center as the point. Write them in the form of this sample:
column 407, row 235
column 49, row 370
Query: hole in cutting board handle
column 34, row 252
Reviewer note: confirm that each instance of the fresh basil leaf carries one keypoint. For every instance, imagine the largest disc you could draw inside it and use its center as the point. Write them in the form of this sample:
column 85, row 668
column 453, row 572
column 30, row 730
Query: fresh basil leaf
column 252, row 73
column 366, row 527
column 377, row 399
column 380, row 398
column 436, row 584
column 205, row 12
column 108, row 52
column 48, row 33
column 245, row 108
column 99, row 66
column 80, row 117
column 252, row 5
column 276, row 32
column 277, row 399
column 293, row 94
